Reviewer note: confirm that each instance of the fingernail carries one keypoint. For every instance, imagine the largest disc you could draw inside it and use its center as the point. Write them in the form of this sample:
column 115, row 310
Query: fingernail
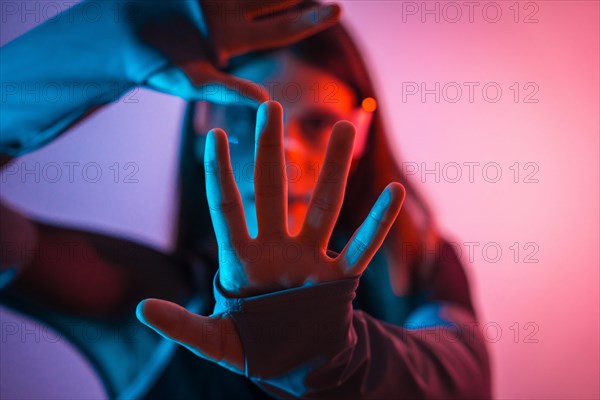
column 210, row 146
column 262, row 116
column 210, row 136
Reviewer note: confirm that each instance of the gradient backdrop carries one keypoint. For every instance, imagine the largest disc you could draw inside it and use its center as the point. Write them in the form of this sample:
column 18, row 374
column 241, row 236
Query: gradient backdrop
column 507, row 155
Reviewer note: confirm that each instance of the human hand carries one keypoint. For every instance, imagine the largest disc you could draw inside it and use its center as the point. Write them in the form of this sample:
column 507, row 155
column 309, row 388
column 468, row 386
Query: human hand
column 245, row 274
column 275, row 260
column 236, row 27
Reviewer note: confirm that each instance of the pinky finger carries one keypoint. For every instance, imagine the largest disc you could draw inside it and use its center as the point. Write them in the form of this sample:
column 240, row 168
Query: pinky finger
column 370, row 235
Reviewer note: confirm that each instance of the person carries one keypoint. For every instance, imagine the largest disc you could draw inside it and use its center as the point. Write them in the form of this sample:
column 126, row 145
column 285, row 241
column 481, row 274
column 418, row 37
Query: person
column 282, row 248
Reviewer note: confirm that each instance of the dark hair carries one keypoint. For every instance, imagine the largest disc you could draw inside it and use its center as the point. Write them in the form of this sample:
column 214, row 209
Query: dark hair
column 334, row 51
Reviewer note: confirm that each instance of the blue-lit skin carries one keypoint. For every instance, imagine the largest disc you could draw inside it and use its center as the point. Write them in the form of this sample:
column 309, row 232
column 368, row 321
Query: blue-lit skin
column 130, row 43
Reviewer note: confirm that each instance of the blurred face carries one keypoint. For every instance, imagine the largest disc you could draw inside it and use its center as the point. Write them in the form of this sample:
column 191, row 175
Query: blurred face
column 313, row 101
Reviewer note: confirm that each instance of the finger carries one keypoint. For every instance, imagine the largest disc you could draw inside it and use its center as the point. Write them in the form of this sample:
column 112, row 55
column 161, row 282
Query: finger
column 224, row 200
column 214, row 339
column 328, row 197
column 260, row 9
column 270, row 181
column 370, row 235
column 224, row 88
column 201, row 81
column 289, row 28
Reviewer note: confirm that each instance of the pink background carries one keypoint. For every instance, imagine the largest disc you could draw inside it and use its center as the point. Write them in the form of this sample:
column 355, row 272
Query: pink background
column 553, row 352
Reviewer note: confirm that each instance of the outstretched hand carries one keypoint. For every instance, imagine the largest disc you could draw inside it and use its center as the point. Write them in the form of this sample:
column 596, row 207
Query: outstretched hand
column 273, row 260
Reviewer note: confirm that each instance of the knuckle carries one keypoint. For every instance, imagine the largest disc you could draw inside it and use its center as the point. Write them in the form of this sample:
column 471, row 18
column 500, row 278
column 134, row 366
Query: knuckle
column 225, row 207
column 360, row 245
column 211, row 167
column 324, row 204
column 181, row 326
column 376, row 217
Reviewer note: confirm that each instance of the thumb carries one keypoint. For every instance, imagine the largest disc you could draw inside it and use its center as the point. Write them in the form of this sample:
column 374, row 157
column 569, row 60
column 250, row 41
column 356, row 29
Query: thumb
column 213, row 338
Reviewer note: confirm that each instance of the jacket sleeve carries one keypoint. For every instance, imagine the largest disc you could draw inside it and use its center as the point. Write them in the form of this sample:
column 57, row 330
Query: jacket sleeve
column 310, row 343
column 87, row 56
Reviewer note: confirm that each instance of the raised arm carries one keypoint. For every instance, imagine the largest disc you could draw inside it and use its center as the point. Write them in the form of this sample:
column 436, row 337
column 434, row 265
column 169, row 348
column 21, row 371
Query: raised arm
column 94, row 52
column 53, row 75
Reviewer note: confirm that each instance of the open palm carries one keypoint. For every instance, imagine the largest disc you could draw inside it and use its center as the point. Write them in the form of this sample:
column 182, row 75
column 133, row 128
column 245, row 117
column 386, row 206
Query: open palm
column 273, row 260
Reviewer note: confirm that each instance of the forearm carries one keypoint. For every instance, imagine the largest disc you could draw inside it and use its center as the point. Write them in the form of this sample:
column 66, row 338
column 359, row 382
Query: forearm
column 448, row 360
column 85, row 57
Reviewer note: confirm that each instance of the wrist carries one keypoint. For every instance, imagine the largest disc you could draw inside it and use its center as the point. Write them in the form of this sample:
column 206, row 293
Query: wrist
column 297, row 326
column 237, row 287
